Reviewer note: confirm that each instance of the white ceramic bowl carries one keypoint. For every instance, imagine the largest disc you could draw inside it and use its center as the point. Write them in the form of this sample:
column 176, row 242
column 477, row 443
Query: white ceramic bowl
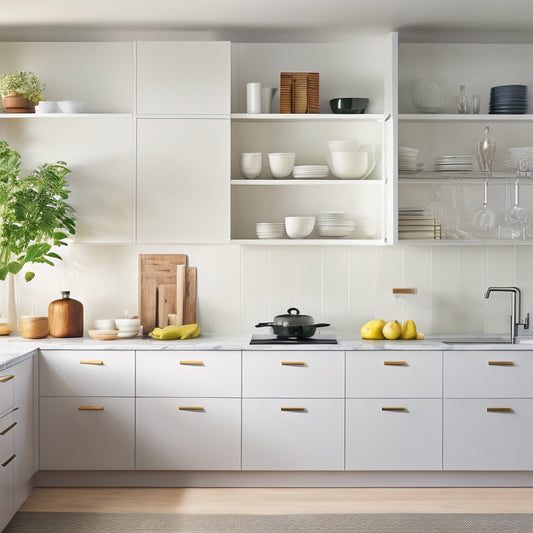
column 71, row 106
column 104, row 323
column 349, row 165
column 133, row 323
column 251, row 164
column 346, row 145
column 47, row 107
column 281, row 164
column 428, row 95
column 299, row 227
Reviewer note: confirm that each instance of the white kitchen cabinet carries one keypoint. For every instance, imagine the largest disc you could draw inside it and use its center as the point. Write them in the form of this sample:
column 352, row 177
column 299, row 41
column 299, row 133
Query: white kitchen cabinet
column 87, row 373
column 393, row 374
column 488, row 374
column 87, row 410
column 293, row 410
column 184, row 373
column 183, row 180
column 488, row 410
column 293, row 434
column 479, row 67
column 367, row 201
column 293, row 374
column 394, row 410
column 7, row 458
column 394, row 434
column 188, row 410
column 87, row 433
column 188, row 434
column 24, row 438
column 183, row 78
column 488, row 434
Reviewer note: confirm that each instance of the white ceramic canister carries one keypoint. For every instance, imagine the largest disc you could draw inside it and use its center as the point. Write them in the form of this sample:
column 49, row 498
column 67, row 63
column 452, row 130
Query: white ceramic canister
column 253, row 97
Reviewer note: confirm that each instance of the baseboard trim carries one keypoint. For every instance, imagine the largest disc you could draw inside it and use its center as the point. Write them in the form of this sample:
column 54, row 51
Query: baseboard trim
column 46, row 478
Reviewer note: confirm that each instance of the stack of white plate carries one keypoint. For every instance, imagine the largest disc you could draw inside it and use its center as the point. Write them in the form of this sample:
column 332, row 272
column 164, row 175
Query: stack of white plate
column 407, row 159
column 462, row 163
column 334, row 224
column 310, row 171
column 270, row 230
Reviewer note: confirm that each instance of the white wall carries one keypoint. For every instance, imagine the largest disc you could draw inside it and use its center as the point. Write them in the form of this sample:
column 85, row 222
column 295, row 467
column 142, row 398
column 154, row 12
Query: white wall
column 343, row 285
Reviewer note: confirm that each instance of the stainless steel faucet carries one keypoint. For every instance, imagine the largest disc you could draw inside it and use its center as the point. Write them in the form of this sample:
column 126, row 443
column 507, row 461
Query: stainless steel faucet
column 516, row 306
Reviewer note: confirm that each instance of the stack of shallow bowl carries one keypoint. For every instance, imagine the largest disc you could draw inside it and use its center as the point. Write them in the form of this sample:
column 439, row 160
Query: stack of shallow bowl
column 270, row 230
column 407, row 159
column 334, row 224
column 455, row 163
column 508, row 99
column 310, row 171
column 128, row 327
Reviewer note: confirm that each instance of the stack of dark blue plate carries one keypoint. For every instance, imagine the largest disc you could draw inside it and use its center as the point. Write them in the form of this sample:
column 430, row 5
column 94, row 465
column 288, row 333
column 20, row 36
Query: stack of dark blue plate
column 508, row 99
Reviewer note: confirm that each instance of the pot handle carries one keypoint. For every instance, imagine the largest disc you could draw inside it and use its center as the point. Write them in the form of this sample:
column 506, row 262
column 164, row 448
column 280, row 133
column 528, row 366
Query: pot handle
column 264, row 324
column 297, row 311
column 321, row 325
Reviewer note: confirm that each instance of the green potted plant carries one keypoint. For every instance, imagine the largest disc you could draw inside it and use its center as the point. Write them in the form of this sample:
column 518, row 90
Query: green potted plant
column 34, row 214
column 21, row 91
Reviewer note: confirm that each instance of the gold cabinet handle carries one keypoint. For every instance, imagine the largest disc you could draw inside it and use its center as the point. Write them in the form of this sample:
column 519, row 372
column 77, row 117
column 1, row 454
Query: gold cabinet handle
column 501, row 363
column 500, row 410
column 9, row 460
column 191, row 408
column 91, row 362
column 397, row 409
column 192, row 363
column 295, row 409
column 6, row 378
column 90, row 407
column 8, row 428
column 293, row 363
column 395, row 363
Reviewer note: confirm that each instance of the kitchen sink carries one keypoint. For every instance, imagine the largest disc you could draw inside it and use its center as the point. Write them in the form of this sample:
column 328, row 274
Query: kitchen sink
column 477, row 340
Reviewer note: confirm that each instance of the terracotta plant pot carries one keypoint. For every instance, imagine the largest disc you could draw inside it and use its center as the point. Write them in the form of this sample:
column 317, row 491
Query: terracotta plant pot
column 18, row 104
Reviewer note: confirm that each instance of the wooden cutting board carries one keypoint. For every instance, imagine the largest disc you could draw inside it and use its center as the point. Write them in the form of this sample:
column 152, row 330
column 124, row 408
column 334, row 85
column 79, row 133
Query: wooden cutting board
column 155, row 270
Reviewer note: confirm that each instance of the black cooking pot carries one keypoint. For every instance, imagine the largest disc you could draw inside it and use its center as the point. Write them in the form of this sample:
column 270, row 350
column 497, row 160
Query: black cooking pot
column 293, row 324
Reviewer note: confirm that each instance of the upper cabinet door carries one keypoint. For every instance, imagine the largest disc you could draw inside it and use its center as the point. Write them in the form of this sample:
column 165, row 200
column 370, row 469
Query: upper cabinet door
column 176, row 78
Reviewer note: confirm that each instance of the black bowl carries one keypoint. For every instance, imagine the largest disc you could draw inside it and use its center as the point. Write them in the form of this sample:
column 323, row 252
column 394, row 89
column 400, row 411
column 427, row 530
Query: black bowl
column 348, row 105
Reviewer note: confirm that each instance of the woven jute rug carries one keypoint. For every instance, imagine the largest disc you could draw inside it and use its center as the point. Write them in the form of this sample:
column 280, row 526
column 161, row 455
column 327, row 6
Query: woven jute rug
column 34, row 522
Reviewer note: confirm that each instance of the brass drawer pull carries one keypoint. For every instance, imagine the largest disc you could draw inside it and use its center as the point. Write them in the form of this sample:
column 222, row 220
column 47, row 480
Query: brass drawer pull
column 8, row 428
column 191, row 408
column 501, row 363
column 192, row 363
column 9, row 460
column 397, row 409
column 500, row 410
column 395, row 363
column 89, row 362
column 6, row 378
column 295, row 409
column 293, row 363
column 90, row 407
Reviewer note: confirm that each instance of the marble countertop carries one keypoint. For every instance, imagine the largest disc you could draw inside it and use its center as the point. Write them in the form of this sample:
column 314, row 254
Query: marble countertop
column 14, row 349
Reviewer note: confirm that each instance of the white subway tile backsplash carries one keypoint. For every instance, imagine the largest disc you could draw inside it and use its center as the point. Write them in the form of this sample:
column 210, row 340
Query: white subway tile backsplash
column 239, row 286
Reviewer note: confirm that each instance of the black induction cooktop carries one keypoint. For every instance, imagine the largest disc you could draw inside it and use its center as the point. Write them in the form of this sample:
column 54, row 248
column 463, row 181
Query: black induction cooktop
column 273, row 339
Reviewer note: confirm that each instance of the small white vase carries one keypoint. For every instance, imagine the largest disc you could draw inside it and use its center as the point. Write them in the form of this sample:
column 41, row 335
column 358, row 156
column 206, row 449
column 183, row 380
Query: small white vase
column 267, row 93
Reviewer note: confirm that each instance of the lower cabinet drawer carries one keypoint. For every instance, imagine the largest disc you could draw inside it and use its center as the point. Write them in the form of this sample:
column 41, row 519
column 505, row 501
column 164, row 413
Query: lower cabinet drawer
column 6, row 392
column 293, row 434
column 188, row 434
column 7, row 440
column 488, row 434
column 394, row 434
column 87, row 433
column 7, row 505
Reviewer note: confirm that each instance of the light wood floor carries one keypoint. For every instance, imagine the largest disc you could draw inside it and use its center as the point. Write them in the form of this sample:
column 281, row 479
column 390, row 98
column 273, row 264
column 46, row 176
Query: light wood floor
column 282, row 500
